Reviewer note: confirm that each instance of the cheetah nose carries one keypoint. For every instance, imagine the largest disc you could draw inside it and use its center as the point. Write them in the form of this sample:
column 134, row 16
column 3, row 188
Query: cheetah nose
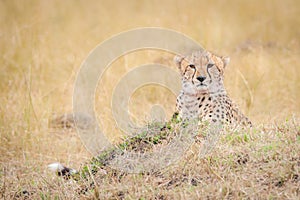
column 201, row 78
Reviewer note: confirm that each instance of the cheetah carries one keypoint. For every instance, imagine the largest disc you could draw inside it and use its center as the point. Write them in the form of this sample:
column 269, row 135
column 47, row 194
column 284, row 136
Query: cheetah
column 203, row 94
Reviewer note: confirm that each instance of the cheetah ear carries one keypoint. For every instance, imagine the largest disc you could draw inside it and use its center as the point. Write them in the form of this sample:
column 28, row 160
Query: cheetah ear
column 225, row 60
column 178, row 59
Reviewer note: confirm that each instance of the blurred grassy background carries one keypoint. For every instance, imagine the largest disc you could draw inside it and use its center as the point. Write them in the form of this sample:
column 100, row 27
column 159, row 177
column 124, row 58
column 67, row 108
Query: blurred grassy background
column 43, row 43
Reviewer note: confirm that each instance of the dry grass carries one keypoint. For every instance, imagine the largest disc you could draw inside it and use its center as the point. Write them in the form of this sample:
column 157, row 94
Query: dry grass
column 42, row 44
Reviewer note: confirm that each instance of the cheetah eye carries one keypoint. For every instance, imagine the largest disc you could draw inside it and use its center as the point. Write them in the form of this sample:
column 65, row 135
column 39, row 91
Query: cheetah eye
column 210, row 65
column 192, row 66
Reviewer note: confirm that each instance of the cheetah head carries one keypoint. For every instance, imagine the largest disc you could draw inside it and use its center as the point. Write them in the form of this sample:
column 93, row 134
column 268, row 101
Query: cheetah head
column 202, row 72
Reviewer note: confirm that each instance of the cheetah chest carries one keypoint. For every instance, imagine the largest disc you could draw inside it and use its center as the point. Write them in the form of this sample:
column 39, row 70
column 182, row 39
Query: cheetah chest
column 206, row 107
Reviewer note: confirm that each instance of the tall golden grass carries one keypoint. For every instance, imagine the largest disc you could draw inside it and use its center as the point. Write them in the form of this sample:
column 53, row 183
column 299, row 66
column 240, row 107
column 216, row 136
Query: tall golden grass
column 43, row 43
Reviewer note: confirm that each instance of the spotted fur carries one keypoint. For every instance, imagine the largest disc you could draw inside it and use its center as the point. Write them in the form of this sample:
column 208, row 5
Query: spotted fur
column 203, row 94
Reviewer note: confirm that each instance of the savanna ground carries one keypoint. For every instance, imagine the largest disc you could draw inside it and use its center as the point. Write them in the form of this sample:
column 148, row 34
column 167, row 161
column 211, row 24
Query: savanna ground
column 43, row 43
